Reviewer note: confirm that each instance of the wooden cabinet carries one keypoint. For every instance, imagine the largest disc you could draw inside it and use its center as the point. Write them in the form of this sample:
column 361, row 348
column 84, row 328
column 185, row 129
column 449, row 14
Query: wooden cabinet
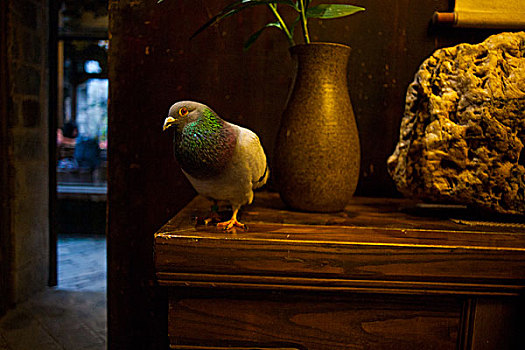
column 384, row 274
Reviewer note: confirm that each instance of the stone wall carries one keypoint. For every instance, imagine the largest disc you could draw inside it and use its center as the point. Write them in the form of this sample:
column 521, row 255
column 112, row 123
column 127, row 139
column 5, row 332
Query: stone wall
column 27, row 133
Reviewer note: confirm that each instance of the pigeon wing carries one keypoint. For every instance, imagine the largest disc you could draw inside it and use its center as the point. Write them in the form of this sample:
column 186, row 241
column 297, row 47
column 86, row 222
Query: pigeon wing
column 254, row 157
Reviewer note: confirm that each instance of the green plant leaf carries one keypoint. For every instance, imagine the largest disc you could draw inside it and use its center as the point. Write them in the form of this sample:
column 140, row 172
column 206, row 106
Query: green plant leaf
column 256, row 35
column 329, row 11
column 236, row 7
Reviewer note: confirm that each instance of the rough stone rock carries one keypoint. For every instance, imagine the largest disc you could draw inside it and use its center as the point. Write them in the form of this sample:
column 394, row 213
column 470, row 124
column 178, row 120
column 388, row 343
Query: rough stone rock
column 463, row 130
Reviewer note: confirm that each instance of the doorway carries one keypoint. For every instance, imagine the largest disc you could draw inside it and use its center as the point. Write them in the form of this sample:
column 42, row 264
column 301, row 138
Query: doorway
column 82, row 135
column 78, row 101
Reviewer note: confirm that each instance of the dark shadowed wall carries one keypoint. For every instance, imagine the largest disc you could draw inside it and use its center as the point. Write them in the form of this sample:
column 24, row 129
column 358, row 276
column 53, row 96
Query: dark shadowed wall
column 5, row 187
column 24, row 138
column 153, row 64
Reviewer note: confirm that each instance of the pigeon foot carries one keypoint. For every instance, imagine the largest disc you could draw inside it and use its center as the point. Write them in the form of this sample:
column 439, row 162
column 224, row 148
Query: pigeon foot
column 228, row 225
column 214, row 216
column 233, row 222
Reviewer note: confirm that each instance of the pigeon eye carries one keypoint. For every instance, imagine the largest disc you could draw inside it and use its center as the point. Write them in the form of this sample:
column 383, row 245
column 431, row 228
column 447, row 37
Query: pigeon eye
column 183, row 111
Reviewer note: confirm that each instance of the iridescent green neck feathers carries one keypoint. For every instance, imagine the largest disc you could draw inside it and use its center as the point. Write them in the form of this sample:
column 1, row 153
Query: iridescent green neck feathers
column 204, row 147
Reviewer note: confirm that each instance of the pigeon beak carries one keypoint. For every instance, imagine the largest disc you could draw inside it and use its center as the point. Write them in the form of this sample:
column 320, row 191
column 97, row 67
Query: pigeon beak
column 169, row 121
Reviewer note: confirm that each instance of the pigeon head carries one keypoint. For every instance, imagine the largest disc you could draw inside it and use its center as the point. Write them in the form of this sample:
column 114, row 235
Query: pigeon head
column 182, row 113
column 203, row 143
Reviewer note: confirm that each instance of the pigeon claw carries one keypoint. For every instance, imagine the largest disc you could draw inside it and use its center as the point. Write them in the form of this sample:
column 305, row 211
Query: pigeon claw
column 207, row 221
column 232, row 223
column 228, row 225
column 213, row 217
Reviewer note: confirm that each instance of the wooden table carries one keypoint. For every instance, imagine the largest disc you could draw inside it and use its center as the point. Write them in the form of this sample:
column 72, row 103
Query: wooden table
column 383, row 274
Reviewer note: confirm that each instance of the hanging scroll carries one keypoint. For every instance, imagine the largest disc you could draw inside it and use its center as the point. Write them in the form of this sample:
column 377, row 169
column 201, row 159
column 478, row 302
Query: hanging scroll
column 485, row 14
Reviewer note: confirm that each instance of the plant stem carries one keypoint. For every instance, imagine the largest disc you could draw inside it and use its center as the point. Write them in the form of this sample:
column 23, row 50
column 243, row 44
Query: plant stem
column 289, row 36
column 304, row 22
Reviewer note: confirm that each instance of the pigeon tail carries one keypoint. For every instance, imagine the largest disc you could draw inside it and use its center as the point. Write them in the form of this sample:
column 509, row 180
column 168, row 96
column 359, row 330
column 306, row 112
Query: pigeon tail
column 262, row 180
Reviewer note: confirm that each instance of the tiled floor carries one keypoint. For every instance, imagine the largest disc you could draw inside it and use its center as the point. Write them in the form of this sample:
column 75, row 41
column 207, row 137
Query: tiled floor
column 70, row 316
column 82, row 263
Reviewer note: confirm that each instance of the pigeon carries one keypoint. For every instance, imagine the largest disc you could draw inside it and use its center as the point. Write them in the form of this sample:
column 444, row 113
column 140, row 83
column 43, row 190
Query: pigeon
column 222, row 161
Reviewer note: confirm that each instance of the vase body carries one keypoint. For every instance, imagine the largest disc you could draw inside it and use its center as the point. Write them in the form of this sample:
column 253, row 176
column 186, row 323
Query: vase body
column 317, row 152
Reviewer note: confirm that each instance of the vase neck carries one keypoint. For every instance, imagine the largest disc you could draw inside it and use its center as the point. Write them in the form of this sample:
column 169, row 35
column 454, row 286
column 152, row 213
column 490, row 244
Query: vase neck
column 329, row 58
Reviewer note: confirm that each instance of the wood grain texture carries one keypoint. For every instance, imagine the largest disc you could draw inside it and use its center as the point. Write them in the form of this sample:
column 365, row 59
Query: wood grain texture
column 145, row 186
column 398, row 252
column 498, row 324
column 306, row 321
column 152, row 63
column 383, row 274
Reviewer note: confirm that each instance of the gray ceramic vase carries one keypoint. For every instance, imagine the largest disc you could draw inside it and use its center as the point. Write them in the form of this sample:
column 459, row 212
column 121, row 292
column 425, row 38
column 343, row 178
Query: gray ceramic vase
column 317, row 154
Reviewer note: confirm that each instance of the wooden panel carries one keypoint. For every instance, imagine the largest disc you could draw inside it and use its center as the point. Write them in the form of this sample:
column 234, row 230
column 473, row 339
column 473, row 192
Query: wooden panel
column 390, row 40
column 145, row 187
column 400, row 252
column 437, row 269
column 497, row 324
column 281, row 320
column 383, row 214
column 385, row 274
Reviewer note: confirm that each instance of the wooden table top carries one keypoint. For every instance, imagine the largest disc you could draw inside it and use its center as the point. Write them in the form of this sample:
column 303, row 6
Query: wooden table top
column 375, row 245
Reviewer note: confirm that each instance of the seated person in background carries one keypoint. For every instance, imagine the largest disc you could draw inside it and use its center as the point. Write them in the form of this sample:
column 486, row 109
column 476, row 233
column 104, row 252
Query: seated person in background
column 76, row 151
column 87, row 152
column 67, row 134
column 66, row 141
